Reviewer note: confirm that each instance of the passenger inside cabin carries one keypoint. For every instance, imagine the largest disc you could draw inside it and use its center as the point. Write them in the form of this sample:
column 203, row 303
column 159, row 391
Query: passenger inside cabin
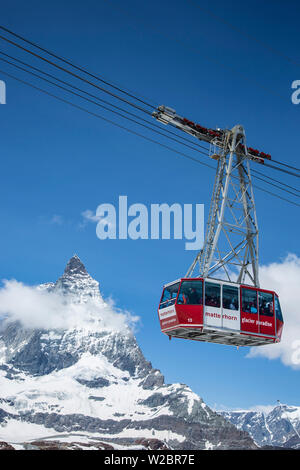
column 192, row 297
column 191, row 293
column 211, row 301
column 266, row 308
column 269, row 308
column 253, row 309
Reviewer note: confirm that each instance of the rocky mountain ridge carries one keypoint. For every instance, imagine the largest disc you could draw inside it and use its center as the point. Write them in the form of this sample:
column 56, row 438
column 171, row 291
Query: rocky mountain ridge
column 279, row 427
column 91, row 383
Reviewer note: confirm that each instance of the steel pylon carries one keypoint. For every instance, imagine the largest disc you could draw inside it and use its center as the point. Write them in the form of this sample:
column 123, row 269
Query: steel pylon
column 230, row 247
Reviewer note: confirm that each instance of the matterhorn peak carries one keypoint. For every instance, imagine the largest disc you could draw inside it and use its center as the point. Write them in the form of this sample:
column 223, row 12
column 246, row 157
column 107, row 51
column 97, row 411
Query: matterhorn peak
column 75, row 266
column 77, row 281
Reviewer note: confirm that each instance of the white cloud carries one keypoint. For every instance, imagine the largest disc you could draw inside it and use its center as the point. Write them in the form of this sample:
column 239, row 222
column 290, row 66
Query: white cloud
column 266, row 409
column 36, row 308
column 90, row 216
column 284, row 278
column 56, row 220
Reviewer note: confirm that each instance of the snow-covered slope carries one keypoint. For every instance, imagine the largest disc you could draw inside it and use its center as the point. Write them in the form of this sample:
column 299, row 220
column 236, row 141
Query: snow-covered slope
column 278, row 427
column 90, row 381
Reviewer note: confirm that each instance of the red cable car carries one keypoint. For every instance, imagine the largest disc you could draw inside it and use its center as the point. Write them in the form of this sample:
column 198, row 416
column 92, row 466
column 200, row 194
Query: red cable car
column 220, row 312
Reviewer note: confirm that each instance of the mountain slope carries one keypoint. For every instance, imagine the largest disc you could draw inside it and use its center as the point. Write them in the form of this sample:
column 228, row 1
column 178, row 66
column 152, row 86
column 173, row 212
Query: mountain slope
column 89, row 378
column 278, row 427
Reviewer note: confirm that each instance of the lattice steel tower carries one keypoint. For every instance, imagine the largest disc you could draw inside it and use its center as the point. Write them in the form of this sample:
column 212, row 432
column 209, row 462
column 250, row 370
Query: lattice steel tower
column 230, row 248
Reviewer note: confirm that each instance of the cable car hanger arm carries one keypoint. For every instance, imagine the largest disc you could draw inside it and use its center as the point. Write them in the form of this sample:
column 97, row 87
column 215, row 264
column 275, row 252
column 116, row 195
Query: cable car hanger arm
column 216, row 137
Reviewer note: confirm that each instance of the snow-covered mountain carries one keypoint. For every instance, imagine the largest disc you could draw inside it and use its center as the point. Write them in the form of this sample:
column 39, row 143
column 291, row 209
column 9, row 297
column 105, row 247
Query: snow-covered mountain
column 87, row 383
column 279, row 427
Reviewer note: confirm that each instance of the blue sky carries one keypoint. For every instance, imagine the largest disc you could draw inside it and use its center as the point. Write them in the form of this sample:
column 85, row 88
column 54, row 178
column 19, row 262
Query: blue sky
column 57, row 162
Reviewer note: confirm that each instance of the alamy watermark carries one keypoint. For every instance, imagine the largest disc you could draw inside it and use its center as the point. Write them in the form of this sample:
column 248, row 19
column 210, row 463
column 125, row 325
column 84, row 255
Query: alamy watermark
column 296, row 94
column 155, row 221
column 2, row 92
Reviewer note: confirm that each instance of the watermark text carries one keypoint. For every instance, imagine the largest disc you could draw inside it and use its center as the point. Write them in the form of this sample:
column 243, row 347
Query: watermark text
column 155, row 221
column 2, row 92
column 296, row 94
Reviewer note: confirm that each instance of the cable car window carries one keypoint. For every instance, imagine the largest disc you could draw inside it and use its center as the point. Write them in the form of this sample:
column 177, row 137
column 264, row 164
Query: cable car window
column 212, row 294
column 265, row 302
column 278, row 309
column 249, row 301
column 230, row 297
column 169, row 295
column 191, row 293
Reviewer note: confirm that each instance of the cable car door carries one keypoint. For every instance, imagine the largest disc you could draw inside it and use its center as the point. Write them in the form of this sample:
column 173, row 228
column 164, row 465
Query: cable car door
column 266, row 313
column 212, row 308
column 230, row 307
column 189, row 304
column 249, row 310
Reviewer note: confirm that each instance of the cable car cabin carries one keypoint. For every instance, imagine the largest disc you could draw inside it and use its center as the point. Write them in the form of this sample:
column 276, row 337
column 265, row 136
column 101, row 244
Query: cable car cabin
column 220, row 312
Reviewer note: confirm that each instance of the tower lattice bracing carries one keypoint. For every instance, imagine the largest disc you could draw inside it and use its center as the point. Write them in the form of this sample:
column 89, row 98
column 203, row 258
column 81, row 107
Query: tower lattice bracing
column 230, row 248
